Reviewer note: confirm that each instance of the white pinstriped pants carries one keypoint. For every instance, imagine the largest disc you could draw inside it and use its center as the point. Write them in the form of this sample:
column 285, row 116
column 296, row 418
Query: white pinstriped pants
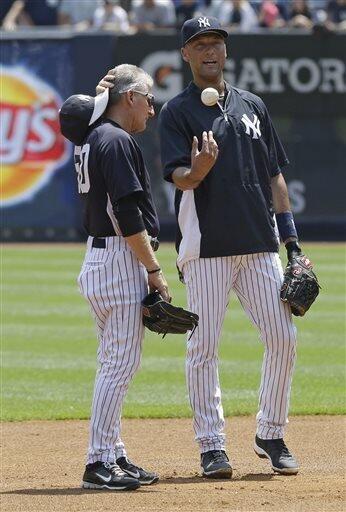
column 114, row 283
column 256, row 280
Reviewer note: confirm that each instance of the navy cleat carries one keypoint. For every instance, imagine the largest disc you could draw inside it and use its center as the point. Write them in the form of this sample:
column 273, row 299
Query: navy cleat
column 215, row 464
column 144, row 477
column 106, row 475
column 279, row 455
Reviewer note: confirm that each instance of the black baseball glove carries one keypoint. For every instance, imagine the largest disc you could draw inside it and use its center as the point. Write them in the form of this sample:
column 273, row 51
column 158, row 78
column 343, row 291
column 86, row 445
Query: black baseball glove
column 162, row 317
column 300, row 287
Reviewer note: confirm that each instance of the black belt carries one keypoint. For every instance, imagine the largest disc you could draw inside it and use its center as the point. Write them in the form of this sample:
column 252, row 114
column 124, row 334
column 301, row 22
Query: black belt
column 100, row 243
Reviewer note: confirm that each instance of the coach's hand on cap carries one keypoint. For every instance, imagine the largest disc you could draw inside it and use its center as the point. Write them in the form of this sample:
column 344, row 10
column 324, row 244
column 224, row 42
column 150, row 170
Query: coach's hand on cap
column 203, row 161
column 157, row 281
column 106, row 81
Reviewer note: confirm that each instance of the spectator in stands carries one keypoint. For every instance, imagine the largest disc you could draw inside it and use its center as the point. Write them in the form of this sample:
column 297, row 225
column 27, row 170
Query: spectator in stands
column 208, row 8
column 28, row 13
column 256, row 5
column 185, row 10
column 111, row 16
column 126, row 5
column 336, row 10
column 238, row 14
column 316, row 5
column 269, row 15
column 283, row 7
column 9, row 13
column 78, row 13
column 300, row 15
column 150, row 14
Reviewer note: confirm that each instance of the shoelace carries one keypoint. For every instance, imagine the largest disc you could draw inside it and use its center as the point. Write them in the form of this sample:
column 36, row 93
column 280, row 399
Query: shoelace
column 133, row 466
column 281, row 447
column 114, row 468
column 218, row 456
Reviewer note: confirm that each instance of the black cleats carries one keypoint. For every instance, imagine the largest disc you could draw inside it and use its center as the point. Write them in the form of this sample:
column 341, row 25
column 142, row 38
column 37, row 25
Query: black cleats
column 277, row 452
column 106, row 475
column 215, row 464
column 144, row 477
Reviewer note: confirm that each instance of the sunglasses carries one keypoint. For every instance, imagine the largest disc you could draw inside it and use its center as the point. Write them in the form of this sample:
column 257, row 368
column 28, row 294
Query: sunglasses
column 150, row 97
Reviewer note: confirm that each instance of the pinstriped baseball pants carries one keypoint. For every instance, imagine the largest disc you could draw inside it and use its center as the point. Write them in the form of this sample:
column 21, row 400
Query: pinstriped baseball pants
column 256, row 280
column 113, row 282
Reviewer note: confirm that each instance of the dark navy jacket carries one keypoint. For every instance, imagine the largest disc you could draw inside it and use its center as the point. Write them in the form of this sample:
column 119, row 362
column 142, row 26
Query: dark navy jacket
column 110, row 166
column 230, row 212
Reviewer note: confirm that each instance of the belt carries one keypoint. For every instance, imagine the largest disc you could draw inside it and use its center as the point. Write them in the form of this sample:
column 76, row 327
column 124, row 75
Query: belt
column 100, row 243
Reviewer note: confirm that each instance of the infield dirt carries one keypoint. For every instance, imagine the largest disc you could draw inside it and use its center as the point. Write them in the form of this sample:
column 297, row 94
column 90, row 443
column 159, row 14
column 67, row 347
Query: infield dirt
column 43, row 461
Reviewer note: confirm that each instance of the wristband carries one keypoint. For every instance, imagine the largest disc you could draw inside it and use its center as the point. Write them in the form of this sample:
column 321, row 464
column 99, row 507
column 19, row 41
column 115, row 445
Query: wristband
column 286, row 226
column 153, row 271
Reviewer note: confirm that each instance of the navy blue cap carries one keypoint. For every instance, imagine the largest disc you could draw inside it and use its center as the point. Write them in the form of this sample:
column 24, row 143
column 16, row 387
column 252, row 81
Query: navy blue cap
column 201, row 25
column 79, row 112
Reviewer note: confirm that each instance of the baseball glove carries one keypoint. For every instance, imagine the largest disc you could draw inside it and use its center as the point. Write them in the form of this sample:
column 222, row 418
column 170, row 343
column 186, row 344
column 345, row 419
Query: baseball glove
column 162, row 317
column 300, row 287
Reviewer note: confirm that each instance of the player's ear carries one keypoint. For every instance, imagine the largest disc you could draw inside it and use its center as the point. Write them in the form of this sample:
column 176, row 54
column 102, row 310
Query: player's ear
column 184, row 54
column 129, row 97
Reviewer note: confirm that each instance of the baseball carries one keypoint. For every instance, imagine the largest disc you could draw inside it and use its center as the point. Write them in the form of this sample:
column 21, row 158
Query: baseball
column 209, row 96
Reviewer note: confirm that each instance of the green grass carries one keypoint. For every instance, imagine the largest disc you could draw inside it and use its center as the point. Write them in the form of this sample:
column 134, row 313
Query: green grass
column 49, row 344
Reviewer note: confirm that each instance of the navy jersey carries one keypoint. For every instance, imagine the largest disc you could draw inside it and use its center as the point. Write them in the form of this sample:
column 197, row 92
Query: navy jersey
column 231, row 211
column 109, row 167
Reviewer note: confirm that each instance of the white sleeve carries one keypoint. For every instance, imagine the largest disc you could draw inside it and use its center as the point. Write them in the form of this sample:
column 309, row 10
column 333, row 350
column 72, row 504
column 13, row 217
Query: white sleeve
column 225, row 14
column 249, row 19
column 171, row 18
column 98, row 18
column 123, row 20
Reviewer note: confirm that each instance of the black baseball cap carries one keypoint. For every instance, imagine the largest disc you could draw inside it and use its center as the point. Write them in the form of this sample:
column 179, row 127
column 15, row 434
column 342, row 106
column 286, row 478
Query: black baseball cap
column 79, row 112
column 201, row 25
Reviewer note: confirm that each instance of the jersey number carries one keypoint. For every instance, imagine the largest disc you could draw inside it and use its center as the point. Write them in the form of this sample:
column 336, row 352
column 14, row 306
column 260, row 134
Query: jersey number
column 81, row 158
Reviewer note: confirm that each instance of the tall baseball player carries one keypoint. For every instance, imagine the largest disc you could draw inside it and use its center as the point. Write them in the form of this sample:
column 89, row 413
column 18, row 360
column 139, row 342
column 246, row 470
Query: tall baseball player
column 119, row 265
column 225, row 159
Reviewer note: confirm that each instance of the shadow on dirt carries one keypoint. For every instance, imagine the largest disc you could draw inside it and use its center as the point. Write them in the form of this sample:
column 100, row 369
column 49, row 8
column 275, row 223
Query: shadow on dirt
column 68, row 491
column 259, row 477
column 255, row 477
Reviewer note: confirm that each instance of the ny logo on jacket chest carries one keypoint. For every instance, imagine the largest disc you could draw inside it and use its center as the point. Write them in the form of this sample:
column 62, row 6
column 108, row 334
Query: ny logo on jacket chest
column 253, row 126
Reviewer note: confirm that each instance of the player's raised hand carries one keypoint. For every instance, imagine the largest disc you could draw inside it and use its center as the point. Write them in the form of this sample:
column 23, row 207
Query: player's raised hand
column 202, row 161
column 106, row 82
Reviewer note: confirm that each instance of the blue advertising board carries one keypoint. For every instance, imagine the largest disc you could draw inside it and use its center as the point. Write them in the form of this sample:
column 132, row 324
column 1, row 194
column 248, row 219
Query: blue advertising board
column 38, row 193
column 304, row 92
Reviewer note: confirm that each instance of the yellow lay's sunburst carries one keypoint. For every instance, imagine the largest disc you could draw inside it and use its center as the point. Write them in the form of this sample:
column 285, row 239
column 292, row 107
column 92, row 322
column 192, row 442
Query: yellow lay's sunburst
column 31, row 144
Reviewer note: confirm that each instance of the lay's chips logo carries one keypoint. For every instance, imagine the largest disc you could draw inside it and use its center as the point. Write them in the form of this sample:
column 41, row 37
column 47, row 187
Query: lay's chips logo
column 31, row 145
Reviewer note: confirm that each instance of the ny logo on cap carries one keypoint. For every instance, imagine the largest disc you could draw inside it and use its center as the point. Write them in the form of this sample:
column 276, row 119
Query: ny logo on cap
column 203, row 22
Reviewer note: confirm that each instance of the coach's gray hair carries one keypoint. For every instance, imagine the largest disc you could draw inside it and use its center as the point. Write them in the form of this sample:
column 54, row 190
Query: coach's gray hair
column 127, row 77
